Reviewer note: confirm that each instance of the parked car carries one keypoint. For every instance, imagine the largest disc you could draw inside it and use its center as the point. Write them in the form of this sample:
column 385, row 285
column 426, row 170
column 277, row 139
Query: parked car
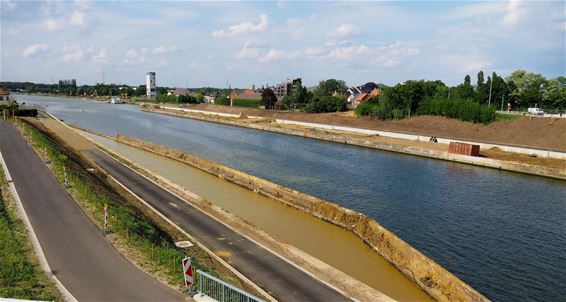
column 536, row 111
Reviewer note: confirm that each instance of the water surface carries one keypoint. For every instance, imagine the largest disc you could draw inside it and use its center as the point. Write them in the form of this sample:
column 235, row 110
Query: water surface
column 503, row 233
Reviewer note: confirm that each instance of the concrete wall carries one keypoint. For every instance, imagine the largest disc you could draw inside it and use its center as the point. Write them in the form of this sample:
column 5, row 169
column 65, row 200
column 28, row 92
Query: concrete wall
column 428, row 275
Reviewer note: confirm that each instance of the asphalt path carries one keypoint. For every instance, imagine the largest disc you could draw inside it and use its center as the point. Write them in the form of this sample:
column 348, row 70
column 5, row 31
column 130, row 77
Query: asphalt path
column 280, row 279
column 80, row 257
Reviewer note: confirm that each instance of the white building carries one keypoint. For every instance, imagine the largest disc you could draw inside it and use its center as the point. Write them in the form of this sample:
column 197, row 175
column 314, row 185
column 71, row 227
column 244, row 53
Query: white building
column 150, row 85
column 4, row 94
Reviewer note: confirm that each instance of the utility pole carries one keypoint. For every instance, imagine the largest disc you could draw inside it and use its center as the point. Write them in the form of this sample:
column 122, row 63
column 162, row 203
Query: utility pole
column 502, row 101
column 490, row 86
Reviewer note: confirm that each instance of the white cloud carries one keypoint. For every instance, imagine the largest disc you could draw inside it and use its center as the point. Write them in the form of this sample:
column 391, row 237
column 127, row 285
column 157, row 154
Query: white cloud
column 247, row 52
column 73, row 53
column 275, row 55
column 514, row 13
column 348, row 52
column 314, row 52
column 346, row 31
column 101, row 57
column 35, row 49
column 77, row 18
column 163, row 50
column 244, row 28
column 9, row 4
column 54, row 24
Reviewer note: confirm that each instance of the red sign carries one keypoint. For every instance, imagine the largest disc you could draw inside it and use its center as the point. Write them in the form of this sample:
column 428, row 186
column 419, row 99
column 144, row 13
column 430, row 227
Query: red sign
column 188, row 271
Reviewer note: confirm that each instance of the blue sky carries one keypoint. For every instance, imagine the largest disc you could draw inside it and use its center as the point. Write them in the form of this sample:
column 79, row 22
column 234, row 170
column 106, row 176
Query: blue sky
column 243, row 43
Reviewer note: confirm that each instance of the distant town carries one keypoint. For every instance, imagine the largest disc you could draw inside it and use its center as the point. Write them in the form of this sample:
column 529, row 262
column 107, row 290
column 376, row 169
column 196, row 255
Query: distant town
column 519, row 92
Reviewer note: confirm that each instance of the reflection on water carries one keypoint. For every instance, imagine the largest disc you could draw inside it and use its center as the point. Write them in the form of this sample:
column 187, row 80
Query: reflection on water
column 503, row 233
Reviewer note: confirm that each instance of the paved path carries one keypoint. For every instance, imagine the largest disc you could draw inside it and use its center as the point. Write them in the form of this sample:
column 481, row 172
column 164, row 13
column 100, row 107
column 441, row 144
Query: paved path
column 79, row 256
column 280, row 279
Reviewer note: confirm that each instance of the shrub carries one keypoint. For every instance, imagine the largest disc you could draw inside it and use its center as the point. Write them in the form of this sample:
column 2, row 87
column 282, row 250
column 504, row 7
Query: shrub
column 222, row 100
column 465, row 110
column 326, row 104
column 246, row 103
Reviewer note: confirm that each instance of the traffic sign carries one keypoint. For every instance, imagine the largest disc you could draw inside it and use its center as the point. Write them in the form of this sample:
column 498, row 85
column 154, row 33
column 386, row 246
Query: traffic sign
column 188, row 272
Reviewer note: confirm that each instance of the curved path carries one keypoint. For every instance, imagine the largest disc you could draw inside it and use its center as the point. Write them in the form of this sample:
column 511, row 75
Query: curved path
column 79, row 256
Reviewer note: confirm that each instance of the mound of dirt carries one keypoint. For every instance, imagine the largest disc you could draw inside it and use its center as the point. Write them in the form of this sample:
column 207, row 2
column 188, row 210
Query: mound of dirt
column 535, row 132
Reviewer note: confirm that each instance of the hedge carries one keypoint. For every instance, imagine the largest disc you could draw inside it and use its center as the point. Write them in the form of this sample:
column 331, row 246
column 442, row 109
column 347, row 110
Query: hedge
column 464, row 110
column 222, row 100
column 246, row 103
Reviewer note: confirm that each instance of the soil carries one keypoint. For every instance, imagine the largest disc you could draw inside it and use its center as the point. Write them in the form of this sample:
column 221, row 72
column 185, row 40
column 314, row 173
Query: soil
column 525, row 131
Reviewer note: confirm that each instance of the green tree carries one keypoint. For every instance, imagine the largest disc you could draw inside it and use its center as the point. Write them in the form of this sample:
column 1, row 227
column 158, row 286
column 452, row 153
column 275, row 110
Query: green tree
column 298, row 97
column 328, row 87
column 268, row 98
column 465, row 90
column 482, row 89
column 527, row 88
column 554, row 95
column 199, row 97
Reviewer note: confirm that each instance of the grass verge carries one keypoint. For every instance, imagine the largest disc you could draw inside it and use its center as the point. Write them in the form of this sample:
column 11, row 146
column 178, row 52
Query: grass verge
column 133, row 233
column 21, row 276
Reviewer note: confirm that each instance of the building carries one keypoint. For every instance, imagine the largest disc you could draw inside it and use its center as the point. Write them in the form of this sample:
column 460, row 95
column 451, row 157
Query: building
column 150, row 85
column 355, row 91
column 209, row 99
column 180, row 91
column 363, row 97
column 284, row 88
column 67, row 83
column 4, row 94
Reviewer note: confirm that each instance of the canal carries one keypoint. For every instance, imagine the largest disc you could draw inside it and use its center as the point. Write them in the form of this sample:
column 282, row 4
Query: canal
column 501, row 232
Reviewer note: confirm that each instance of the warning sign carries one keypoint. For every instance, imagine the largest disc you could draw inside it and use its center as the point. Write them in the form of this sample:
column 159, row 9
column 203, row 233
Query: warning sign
column 188, row 271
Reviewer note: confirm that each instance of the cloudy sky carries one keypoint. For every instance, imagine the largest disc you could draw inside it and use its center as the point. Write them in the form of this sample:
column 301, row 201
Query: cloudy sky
column 212, row 43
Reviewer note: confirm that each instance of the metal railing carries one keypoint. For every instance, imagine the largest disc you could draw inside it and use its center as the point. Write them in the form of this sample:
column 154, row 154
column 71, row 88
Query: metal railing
column 221, row 291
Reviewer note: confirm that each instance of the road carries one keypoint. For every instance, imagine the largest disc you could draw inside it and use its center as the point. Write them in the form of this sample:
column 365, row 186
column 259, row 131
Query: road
column 280, row 279
column 78, row 254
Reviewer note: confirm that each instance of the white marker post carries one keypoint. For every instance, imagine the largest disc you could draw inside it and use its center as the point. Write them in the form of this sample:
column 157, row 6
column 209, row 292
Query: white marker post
column 106, row 230
column 67, row 185
column 45, row 155
column 188, row 273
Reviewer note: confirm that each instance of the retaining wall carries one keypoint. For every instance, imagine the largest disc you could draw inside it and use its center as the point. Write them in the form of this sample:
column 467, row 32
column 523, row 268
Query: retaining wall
column 427, row 274
column 558, row 173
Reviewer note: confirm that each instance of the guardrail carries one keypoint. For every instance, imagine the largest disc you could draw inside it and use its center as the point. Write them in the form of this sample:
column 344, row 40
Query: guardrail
column 221, row 291
column 525, row 113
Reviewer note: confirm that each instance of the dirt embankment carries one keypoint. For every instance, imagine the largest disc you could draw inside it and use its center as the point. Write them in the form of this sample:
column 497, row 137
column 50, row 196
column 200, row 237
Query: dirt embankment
column 533, row 132
column 428, row 275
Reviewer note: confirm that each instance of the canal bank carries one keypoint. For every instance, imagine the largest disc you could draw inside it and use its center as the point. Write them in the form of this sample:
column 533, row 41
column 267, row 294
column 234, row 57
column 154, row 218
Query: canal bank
column 493, row 158
column 429, row 276
column 500, row 232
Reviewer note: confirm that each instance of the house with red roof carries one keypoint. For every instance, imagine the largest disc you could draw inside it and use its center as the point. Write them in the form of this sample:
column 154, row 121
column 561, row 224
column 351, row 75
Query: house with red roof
column 363, row 97
column 4, row 94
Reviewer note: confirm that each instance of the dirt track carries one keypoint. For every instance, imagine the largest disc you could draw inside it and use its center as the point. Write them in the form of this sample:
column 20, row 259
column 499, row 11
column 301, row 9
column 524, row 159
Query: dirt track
column 535, row 132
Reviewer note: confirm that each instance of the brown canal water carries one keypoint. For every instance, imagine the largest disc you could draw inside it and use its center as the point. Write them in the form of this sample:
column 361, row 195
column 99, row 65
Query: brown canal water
column 327, row 242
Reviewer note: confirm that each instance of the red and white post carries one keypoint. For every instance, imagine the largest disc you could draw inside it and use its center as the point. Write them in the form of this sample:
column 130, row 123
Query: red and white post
column 188, row 273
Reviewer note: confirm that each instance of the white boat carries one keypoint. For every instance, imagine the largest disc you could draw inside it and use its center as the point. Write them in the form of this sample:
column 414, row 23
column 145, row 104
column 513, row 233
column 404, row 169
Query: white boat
column 116, row 100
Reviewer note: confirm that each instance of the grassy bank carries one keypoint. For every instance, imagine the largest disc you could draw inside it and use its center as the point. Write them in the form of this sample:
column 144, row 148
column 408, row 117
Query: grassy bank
column 21, row 277
column 133, row 233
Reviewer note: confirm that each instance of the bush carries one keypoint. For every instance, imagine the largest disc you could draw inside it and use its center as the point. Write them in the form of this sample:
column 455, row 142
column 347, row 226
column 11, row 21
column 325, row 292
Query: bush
column 31, row 112
column 246, row 103
column 222, row 100
column 181, row 99
column 326, row 104
column 464, row 110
